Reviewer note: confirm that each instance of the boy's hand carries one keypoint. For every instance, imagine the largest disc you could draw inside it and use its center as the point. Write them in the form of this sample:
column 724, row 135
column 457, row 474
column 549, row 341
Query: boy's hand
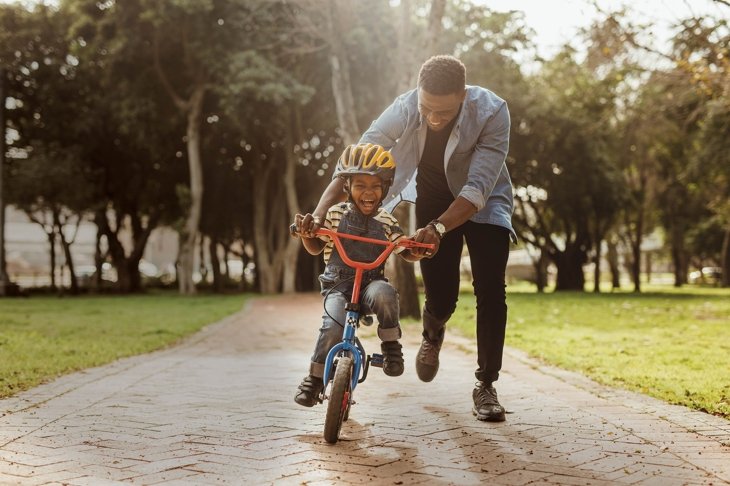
column 426, row 235
column 307, row 224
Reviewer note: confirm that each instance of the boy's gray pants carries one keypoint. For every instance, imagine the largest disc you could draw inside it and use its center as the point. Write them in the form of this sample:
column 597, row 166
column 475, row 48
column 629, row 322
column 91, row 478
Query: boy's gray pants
column 378, row 297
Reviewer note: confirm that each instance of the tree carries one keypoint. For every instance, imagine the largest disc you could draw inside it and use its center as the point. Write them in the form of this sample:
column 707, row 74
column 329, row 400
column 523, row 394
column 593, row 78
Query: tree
column 259, row 86
column 702, row 51
column 564, row 165
column 4, row 279
column 44, row 89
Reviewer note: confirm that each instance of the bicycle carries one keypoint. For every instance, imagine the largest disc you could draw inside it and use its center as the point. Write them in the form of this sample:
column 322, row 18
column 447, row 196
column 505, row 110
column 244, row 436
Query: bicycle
column 349, row 356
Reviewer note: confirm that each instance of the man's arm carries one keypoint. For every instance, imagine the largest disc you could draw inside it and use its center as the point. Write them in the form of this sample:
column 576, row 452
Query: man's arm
column 488, row 159
column 388, row 127
column 457, row 214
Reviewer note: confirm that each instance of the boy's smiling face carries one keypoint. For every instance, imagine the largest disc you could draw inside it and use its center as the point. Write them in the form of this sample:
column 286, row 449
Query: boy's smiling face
column 366, row 191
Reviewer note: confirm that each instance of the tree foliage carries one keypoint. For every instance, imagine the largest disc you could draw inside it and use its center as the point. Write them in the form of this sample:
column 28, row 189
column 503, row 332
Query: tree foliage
column 222, row 118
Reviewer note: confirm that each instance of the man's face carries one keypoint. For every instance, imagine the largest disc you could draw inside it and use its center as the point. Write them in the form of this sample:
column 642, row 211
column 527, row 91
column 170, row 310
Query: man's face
column 439, row 110
column 366, row 191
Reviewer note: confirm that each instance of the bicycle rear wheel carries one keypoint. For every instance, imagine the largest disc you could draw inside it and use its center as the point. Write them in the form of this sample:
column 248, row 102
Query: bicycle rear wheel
column 339, row 400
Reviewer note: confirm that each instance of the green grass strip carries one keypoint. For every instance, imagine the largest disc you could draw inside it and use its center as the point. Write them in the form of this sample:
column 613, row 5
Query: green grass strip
column 671, row 344
column 44, row 337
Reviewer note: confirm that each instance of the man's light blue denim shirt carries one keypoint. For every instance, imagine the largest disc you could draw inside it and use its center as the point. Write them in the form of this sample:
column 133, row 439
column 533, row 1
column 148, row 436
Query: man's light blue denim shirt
column 475, row 155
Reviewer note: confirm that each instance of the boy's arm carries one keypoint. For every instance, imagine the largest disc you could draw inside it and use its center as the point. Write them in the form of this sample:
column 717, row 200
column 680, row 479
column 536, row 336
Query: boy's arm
column 314, row 246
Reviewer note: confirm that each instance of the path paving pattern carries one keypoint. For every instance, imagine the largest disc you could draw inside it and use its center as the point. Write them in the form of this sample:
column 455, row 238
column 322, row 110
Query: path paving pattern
column 219, row 409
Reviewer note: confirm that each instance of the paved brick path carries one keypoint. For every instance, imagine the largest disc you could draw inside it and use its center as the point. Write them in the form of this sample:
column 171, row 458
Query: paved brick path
column 218, row 409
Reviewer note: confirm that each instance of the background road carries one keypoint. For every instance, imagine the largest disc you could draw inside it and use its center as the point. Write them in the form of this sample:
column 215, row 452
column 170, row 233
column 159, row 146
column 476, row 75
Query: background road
column 219, row 409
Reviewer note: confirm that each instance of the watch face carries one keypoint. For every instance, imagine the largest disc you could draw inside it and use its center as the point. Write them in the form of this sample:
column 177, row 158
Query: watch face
column 440, row 228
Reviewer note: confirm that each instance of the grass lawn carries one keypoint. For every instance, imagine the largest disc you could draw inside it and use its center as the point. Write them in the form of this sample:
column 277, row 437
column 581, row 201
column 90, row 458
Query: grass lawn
column 44, row 337
column 667, row 343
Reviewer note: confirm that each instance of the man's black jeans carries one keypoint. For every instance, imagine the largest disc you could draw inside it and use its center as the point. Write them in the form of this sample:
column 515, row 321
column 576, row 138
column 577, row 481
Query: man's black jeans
column 488, row 251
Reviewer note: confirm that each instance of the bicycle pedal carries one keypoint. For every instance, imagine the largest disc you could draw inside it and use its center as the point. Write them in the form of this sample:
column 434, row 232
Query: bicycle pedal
column 376, row 360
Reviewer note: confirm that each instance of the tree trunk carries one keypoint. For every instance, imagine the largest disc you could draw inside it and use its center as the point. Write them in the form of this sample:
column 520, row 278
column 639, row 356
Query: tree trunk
column 127, row 266
column 679, row 256
column 52, row 243
column 636, row 264
column 290, row 246
column 647, row 266
column 69, row 262
column 189, row 235
column 202, row 263
column 267, row 274
column 725, row 258
column 405, row 62
column 340, row 68
column 98, row 261
column 128, row 277
column 59, row 224
column 435, row 26
column 404, row 276
column 4, row 279
column 215, row 263
column 570, row 269
column 612, row 257
column 679, row 262
column 597, row 268
column 541, row 268
column 226, row 268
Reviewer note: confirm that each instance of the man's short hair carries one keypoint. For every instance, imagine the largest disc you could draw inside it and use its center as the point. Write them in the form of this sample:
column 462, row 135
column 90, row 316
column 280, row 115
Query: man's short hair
column 442, row 75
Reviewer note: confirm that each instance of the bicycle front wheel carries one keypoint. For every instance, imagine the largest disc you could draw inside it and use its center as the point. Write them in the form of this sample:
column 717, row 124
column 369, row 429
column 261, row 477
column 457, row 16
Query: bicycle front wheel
column 339, row 400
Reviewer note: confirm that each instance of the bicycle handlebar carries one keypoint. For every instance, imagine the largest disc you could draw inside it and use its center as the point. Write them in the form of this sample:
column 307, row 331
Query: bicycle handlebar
column 389, row 246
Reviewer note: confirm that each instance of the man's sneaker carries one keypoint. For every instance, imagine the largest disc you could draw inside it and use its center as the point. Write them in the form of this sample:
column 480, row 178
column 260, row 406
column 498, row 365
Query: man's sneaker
column 486, row 405
column 309, row 391
column 427, row 360
column 392, row 358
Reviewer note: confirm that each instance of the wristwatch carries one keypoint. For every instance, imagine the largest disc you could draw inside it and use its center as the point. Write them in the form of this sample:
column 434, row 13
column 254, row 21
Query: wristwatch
column 439, row 227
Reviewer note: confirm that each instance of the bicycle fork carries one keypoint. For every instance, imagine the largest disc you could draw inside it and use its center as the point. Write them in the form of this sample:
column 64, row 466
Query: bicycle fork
column 348, row 345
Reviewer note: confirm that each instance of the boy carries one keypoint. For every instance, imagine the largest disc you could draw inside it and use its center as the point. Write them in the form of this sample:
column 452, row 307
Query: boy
column 367, row 171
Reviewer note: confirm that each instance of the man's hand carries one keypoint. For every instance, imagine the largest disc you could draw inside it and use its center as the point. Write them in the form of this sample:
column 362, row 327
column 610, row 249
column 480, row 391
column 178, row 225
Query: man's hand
column 307, row 224
column 426, row 235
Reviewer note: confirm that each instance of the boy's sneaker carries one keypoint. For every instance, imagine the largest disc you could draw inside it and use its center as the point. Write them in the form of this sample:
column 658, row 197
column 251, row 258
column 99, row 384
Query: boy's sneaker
column 427, row 359
column 392, row 358
column 309, row 391
column 486, row 405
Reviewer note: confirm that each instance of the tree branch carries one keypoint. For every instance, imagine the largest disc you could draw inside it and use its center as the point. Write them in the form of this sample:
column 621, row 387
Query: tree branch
column 179, row 101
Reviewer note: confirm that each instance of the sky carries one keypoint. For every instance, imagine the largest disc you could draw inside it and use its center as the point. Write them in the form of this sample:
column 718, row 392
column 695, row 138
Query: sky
column 557, row 21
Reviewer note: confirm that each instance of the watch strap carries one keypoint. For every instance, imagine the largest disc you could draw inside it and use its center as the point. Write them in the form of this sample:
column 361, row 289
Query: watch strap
column 436, row 225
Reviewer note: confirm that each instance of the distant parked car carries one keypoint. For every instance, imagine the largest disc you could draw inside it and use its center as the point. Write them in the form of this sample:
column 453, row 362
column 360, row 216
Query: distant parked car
column 707, row 275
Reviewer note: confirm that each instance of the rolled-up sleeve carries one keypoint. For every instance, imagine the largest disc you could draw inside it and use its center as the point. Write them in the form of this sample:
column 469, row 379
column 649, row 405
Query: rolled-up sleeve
column 488, row 158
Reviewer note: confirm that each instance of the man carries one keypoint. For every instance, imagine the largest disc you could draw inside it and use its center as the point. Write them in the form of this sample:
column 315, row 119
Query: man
column 450, row 142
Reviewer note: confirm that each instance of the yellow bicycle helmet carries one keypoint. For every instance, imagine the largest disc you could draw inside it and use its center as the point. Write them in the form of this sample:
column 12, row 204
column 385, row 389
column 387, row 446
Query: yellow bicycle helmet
column 367, row 158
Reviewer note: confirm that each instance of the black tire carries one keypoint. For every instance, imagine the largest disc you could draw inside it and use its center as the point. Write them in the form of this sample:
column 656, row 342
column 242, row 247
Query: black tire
column 339, row 400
